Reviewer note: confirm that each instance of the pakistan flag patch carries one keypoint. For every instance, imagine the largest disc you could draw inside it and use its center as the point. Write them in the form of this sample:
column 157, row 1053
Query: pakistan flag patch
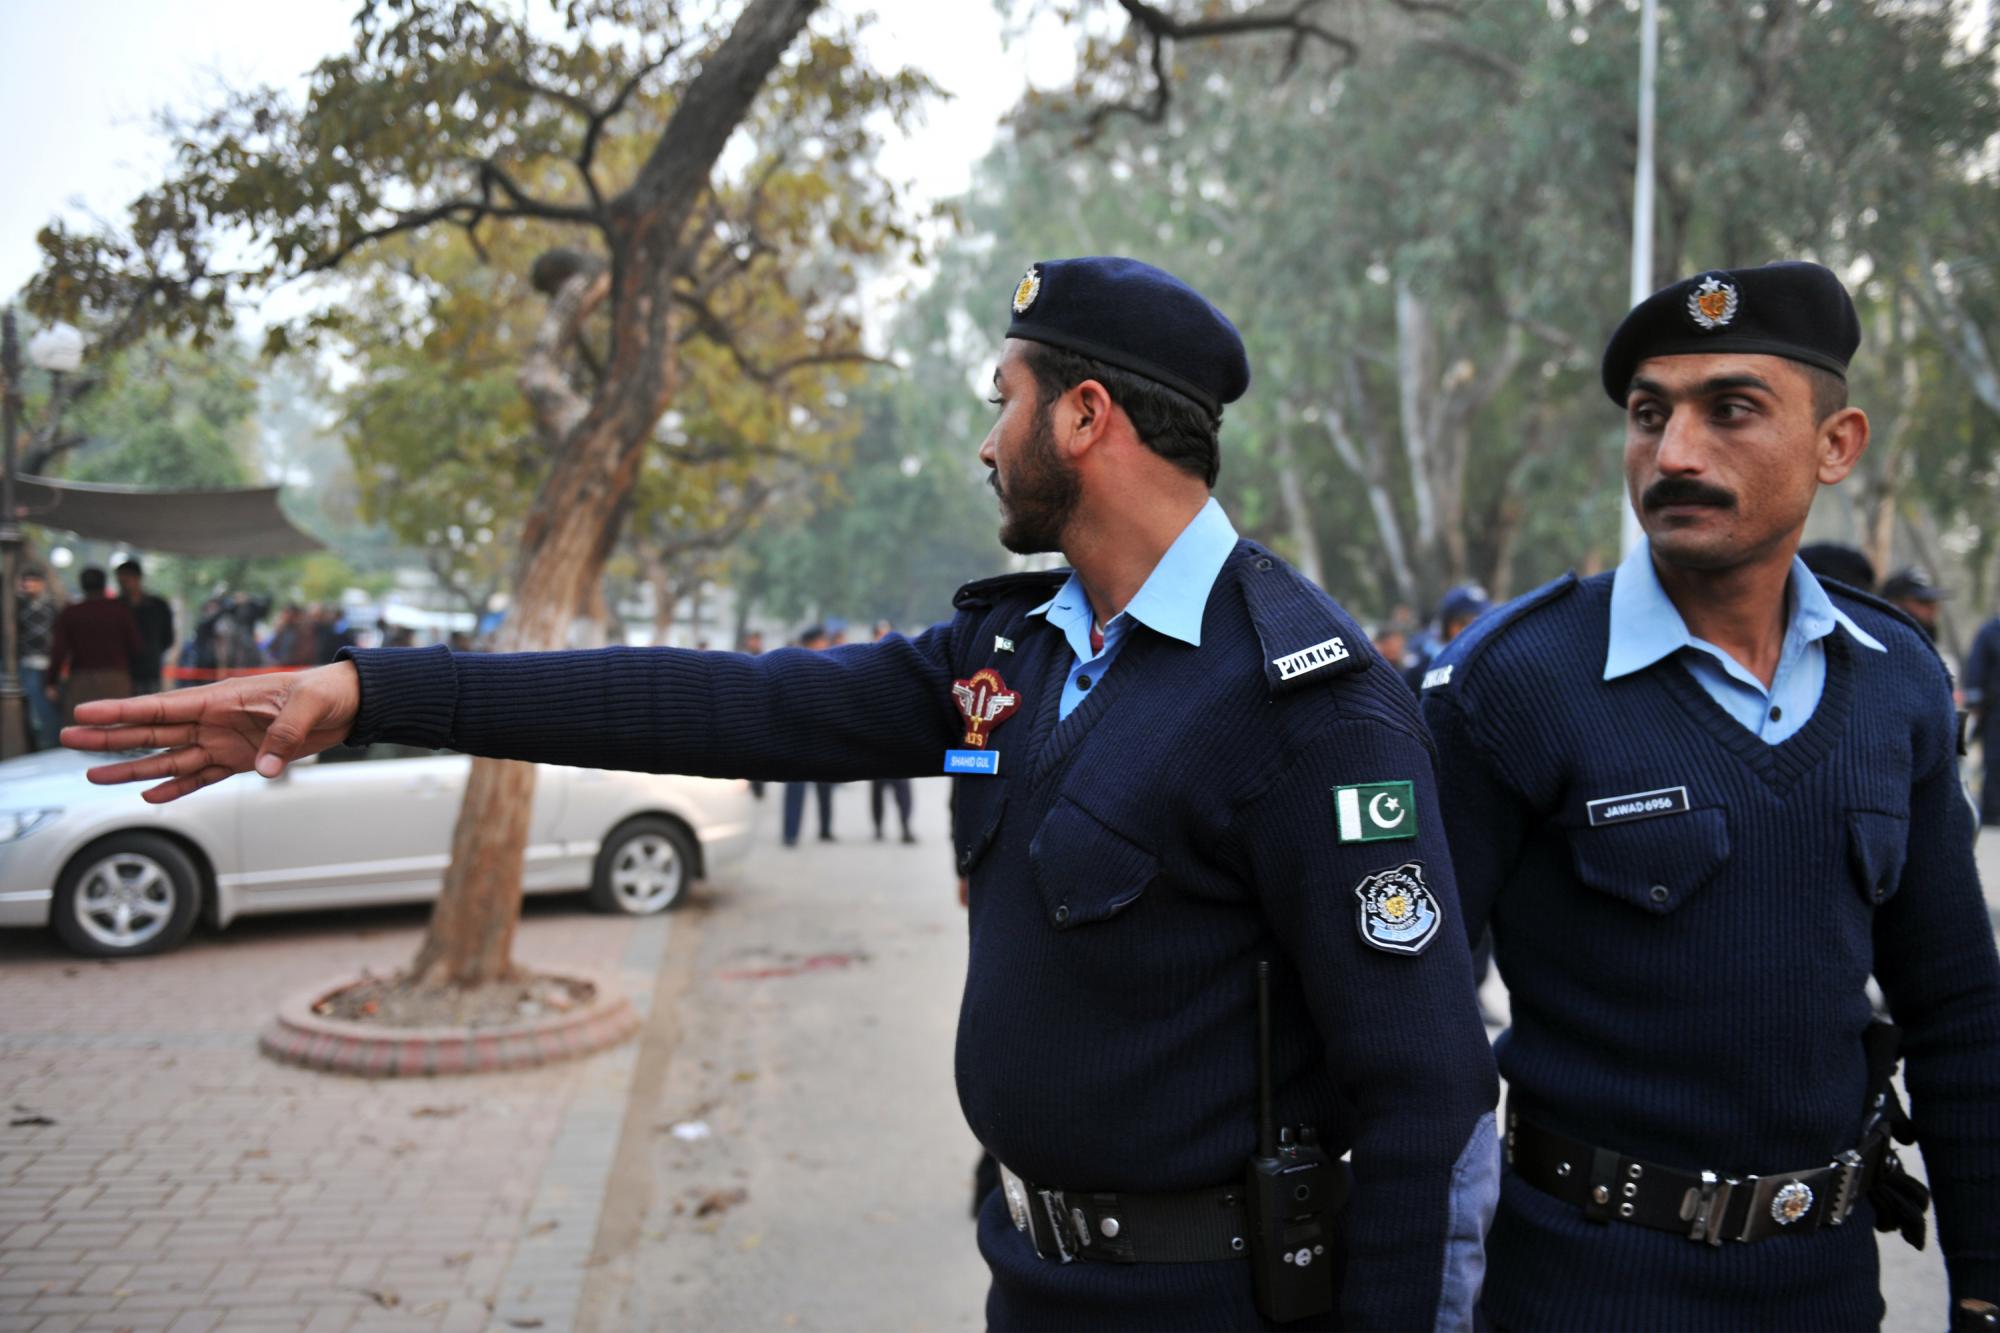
column 1375, row 812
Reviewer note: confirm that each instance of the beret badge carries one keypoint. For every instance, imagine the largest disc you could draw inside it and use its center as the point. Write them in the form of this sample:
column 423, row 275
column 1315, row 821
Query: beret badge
column 1027, row 289
column 1712, row 304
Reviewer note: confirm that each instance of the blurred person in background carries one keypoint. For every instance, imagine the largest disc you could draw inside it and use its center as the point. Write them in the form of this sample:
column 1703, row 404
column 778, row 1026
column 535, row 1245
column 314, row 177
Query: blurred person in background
column 35, row 622
column 1911, row 591
column 899, row 787
column 1980, row 682
column 292, row 642
column 93, row 646
column 1457, row 609
column 156, row 627
column 817, row 640
column 1840, row 562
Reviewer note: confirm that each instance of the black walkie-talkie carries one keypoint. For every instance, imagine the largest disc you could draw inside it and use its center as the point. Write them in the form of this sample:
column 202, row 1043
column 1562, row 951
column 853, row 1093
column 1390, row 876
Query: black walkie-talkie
column 1294, row 1190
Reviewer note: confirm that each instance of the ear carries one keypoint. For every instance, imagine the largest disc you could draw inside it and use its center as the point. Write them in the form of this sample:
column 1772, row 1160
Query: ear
column 1843, row 438
column 1090, row 421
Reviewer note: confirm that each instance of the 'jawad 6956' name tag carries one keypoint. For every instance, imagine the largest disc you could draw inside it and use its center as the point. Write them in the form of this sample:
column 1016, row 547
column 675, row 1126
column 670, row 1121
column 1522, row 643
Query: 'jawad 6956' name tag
column 985, row 763
column 1639, row 805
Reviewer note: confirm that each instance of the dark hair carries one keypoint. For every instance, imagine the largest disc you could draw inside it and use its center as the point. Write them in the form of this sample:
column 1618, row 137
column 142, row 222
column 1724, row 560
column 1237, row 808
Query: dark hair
column 1829, row 391
column 91, row 580
column 1171, row 424
column 131, row 567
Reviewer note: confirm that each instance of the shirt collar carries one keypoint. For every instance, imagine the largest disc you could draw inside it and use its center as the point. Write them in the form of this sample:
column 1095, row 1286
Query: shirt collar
column 1646, row 626
column 1175, row 595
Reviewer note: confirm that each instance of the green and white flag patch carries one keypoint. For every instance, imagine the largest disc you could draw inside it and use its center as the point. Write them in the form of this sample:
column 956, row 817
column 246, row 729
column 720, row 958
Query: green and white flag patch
column 1376, row 811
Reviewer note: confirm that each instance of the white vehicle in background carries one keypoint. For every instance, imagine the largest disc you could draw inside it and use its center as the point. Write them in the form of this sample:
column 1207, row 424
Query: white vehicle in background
column 349, row 828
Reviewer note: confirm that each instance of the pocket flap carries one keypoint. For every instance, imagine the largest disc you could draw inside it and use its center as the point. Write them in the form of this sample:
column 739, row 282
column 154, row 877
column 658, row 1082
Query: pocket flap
column 1087, row 870
column 1655, row 864
column 1876, row 846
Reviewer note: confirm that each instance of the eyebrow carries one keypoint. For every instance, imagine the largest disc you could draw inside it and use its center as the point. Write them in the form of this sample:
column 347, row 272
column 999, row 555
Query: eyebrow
column 1705, row 389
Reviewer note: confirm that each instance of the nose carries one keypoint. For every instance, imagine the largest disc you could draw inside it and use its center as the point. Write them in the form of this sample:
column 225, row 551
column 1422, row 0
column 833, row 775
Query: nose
column 1683, row 447
column 989, row 448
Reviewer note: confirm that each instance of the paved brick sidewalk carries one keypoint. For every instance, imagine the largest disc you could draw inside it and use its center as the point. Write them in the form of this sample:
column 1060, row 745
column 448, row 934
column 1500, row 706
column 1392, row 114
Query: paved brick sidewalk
column 188, row 1183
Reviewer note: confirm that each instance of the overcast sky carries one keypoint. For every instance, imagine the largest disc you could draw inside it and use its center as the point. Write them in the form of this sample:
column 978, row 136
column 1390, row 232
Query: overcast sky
column 80, row 82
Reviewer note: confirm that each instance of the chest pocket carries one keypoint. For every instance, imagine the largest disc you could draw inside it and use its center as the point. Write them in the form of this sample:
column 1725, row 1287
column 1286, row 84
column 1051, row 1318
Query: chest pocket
column 976, row 807
column 1652, row 864
column 1086, row 870
column 1876, row 845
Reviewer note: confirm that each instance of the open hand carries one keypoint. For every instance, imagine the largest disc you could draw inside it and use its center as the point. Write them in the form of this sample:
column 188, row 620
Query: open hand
column 207, row 734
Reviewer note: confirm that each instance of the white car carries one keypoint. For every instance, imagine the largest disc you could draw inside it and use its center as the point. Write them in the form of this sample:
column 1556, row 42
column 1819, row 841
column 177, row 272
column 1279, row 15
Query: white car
column 349, row 828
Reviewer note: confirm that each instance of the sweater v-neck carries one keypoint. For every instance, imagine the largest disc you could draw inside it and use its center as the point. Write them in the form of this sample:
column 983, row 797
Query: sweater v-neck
column 1054, row 735
column 1783, row 764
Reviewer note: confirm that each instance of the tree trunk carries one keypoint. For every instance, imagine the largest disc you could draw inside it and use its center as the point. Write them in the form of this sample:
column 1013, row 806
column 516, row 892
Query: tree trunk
column 471, row 936
column 1889, row 456
column 1298, row 515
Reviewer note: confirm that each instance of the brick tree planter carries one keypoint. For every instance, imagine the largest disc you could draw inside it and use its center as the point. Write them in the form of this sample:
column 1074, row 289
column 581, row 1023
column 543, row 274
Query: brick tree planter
column 299, row 1036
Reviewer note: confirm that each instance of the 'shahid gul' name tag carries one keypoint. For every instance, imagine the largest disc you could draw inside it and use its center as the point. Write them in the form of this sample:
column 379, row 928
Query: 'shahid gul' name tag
column 1639, row 805
column 962, row 762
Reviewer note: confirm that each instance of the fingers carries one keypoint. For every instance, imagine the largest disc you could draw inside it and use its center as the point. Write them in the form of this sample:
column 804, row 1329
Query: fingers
column 128, row 738
column 285, row 738
column 145, row 709
column 172, row 764
column 179, row 787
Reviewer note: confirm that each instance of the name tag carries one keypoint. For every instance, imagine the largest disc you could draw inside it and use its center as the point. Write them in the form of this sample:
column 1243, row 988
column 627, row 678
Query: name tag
column 1639, row 805
column 985, row 763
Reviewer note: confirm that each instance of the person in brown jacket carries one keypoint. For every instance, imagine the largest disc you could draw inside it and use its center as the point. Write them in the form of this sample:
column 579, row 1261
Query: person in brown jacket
column 95, row 643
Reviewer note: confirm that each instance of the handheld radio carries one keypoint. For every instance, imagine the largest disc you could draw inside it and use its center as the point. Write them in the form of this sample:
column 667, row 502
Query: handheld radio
column 1294, row 1190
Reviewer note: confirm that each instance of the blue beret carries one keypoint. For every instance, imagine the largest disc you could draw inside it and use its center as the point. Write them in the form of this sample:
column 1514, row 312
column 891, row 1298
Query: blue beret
column 1794, row 310
column 1136, row 317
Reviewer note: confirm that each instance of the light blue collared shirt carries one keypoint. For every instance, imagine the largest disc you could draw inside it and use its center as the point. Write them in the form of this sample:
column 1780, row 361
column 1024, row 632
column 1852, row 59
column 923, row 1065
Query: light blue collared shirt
column 1646, row 627
column 1171, row 601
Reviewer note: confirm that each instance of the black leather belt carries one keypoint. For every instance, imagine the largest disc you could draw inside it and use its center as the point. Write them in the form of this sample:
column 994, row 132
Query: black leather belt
column 1067, row 1225
column 1703, row 1205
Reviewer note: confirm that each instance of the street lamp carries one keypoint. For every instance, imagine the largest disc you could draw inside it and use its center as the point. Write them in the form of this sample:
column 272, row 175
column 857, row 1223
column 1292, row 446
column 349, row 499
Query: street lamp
column 57, row 349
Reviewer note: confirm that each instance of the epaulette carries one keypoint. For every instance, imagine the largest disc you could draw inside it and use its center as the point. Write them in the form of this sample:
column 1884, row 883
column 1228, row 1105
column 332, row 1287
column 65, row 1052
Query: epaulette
column 1890, row 609
column 985, row 592
column 1306, row 638
column 1460, row 653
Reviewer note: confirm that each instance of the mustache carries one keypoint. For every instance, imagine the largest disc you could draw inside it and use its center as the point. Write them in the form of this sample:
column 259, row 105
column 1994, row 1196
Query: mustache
column 1685, row 491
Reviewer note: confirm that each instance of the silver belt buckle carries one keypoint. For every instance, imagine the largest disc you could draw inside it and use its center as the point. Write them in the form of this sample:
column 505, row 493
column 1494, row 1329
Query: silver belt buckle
column 1023, row 1206
column 1705, row 1207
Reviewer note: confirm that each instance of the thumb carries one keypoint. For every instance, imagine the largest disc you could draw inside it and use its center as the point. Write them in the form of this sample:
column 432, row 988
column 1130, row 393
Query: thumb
column 286, row 735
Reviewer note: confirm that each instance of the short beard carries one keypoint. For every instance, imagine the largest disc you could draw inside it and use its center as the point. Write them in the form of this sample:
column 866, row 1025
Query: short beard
column 1038, row 504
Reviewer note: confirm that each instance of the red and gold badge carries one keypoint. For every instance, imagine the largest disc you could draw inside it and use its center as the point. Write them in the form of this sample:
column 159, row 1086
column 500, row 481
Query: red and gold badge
column 986, row 702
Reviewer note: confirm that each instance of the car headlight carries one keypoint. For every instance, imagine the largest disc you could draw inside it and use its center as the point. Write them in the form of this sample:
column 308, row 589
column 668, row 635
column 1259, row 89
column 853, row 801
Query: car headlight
column 18, row 824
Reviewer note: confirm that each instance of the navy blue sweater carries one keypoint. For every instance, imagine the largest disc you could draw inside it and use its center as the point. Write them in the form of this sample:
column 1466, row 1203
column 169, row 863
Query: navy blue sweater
column 1689, row 989
column 1129, row 866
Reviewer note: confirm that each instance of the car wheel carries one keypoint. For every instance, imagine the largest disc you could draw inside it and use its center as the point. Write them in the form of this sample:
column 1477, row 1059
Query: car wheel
column 644, row 867
column 125, row 895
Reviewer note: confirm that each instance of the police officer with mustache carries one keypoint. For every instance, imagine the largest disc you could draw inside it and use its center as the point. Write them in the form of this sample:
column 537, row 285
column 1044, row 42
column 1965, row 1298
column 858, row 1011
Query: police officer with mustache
column 1701, row 800
column 1183, row 779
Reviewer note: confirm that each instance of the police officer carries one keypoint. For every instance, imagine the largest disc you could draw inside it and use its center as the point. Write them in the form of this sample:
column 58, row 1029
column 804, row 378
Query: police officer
column 1175, row 762
column 1701, row 799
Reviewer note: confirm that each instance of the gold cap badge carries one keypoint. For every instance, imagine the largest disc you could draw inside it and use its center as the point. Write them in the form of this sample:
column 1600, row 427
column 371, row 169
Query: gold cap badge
column 1027, row 289
column 1712, row 304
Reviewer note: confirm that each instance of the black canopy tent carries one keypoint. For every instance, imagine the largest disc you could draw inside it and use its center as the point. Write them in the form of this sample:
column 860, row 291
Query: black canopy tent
column 236, row 521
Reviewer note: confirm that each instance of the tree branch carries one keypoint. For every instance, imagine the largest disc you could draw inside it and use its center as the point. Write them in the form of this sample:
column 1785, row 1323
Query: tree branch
column 557, row 405
column 715, row 328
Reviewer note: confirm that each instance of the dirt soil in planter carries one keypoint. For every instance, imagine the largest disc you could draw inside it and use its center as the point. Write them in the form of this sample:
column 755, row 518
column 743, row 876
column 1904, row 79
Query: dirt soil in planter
column 391, row 1002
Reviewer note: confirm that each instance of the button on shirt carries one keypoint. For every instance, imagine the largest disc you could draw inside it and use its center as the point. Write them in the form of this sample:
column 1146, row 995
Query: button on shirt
column 1646, row 627
column 1170, row 602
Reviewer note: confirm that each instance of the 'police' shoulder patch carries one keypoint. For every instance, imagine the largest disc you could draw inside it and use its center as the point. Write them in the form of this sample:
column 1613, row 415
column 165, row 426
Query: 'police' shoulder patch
column 1398, row 913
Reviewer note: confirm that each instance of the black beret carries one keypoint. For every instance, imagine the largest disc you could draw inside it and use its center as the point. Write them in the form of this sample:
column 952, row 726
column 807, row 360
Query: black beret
column 1136, row 317
column 1794, row 310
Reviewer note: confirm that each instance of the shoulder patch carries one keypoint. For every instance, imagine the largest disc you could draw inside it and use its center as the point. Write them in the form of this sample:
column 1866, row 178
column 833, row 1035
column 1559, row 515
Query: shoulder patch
column 1042, row 583
column 1397, row 912
column 1305, row 636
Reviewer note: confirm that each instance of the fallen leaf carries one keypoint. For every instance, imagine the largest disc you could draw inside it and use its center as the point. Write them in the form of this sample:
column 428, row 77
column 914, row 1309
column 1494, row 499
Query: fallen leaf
column 433, row 1307
column 388, row 1300
column 750, row 1242
column 746, row 1076
column 459, row 1260
column 525, row 1321
column 719, row 1201
column 435, row 1112
column 542, row 1228
column 31, row 1119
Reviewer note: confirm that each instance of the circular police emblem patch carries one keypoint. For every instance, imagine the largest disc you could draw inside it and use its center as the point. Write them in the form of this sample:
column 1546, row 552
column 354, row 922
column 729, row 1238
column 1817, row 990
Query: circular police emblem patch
column 1398, row 913
column 1791, row 1203
column 1027, row 289
column 1712, row 304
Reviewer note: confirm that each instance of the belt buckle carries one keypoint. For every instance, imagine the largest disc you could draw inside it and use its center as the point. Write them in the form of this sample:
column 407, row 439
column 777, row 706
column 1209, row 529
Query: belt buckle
column 1043, row 1215
column 1705, row 1206
column 1849, row 1165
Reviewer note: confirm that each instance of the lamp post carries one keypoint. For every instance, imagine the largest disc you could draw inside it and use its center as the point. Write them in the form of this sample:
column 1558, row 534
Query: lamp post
column 59, row 350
